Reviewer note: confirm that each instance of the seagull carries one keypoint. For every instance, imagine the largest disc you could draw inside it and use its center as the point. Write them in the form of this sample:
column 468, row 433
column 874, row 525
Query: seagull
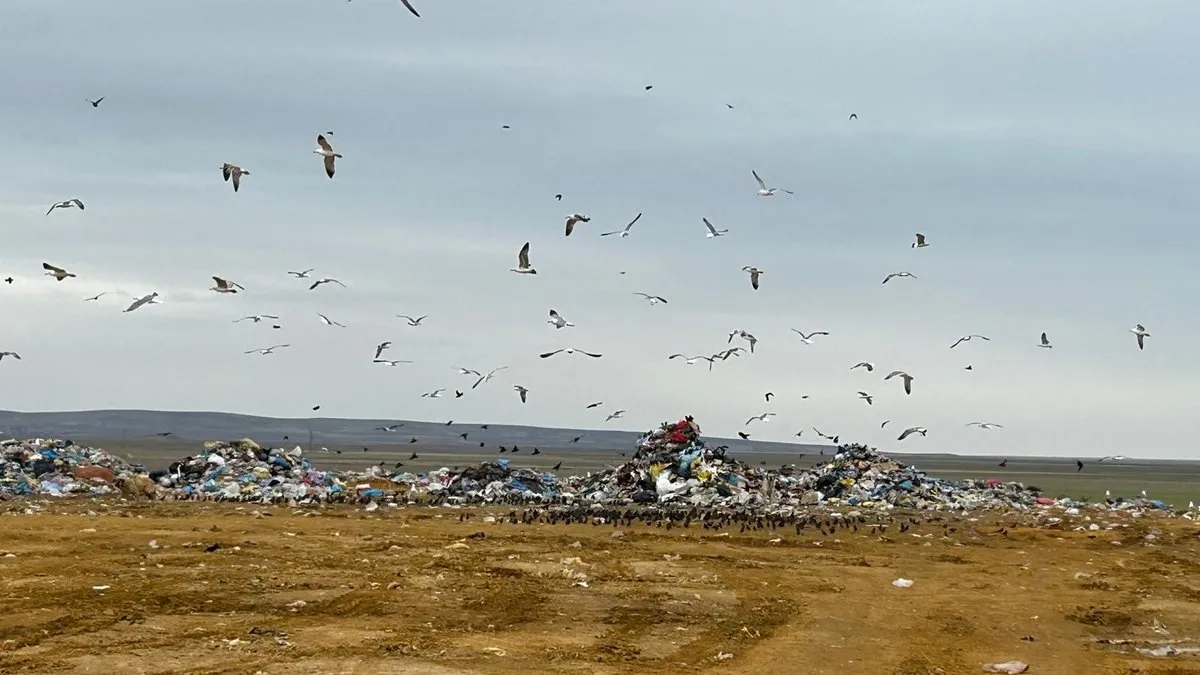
column 520, row 390
column 866, row 397
column 765, row 417
column 379, row 348
column 488, row 377
column 768, row 396
column 575, row 218
column 468, row 371
column 12, row 354
column 652, row 299
column 570, row 350
column 732, row 351
column 389, row 362
column 102, row 294
column 1078, row 465
column 256, row 318
column 326, row 280
column 763, row 190
column 66, row 205
column 625, row 232
column 329, row 322
column 1140, row 331
column 912, row 430
column 436, row 393
column 807, row 339
column 1113, row 458
column 235, row 172
column 597, row 404
column 56, row 272
column 744, row 436
column 267, row 350
column 613, row 416
column 557, row 321
column 745, row 336
column 853, row 116
column 967, row 338
column 224, row 286
column 984, row 425
column 884, row 424
column 96, row 103
column 898, row 274
column 326, row 151
column 151, row 299
column 920, row 242
column 302, row 275
column 754, row 272
column 904, row 376
column 411, row 321
column 407, row 4
column 864, row 364
column 826, row 436
column 1004, row 462
column 1046, row 342
column 390, row 428
column 712, row 231
column 523, row 266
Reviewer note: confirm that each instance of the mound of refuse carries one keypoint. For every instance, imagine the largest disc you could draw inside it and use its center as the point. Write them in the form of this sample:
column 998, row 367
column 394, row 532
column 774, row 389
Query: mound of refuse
column 59, row 468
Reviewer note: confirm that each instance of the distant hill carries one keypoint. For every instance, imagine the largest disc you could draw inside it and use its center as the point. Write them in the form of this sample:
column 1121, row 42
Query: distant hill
column 204, row 426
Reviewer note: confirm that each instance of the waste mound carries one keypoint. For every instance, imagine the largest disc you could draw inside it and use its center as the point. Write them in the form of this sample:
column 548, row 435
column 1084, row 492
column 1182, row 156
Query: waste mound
column 56, row 468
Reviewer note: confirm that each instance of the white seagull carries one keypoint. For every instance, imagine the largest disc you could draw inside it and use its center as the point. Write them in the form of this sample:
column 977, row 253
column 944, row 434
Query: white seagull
column 224, row 286
column 920, row 242
column 256, row 318
column 904, row 376
column 326, row 151
column 468, row 371
column 151, row 299
column 436, row 393
column 616, row 415
column 488, row 377
column 691, row 359
column 864, row 364
column 866, row 397
column 389, row 362
column 521, row 390
column 57, row 272
column 574, row 218
column 12, row 354
column 326, row 280
column 625, row 232
column 754, row 273
column 763, row 190
column 104, row 293
column 267, row 350
column 1113, row 458
column 1140, row 331
column 329, row 322
column 898, row 274
column 807, row 339
column 234, row 172
column 765, row 417
column 712, row 231
column 66, row 205
column 652, row 299
column 912, row 430
column 411, row 321
column 557, row 321
column 570, row 350
column 745, row 336
column 523, row 266
column 984, row 425
column 967, row 338
column 1045, row 344
column 302, row 275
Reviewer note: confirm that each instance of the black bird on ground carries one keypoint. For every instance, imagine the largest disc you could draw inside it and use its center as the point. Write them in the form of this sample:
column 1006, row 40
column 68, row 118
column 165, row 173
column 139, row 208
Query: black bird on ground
column 414, row 456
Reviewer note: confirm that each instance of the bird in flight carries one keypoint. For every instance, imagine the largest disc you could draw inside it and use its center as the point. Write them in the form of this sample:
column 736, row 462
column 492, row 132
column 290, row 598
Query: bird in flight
column 390, row 428
column 968, row 338
column 807, row 339
column 615, row 415
column 920, row 242
column 102, row 294
column 388, row 362
column 12, row 354
column 763, row 190
column 652, row 299
column 597, row 404
column 523, row 266
column 904, row 376
column 853, row 116
column 267, row 350
column 1045, row 343
column 302, row 275
column 625, row 232
column 411, row 321
column 326, row 280
column 910, row 431
column 224, row 286
column 557, row 321
column 898, row 274
column 488, row 377
column 468, row 371
column 1078, row 465
column 984, row 425
column 522, row 391
column 232, row 171
column 866, row 397
column 744, row 436
column 379, row 348
column 326, row 151
column 768, row 396
column 96, row 103
column 256, row 318
column 436, row 393
column 765, row 417
column 864, row 364
column 1140, row 331
column 151, row 299
column 570, row 350
column 826, row 436
column 56, row 272
column 745, row 336
column 66, row 204
column 330, row 322
column 1111, row 458
column 754, row 273
column 712, row 231
column 574, row 218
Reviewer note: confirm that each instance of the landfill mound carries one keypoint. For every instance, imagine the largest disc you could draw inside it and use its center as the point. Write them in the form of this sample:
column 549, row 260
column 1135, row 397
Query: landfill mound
column 672, row 467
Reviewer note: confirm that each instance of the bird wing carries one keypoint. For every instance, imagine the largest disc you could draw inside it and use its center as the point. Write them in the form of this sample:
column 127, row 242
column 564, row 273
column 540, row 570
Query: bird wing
column 761, row 184
column 908, row 385
column 888, row 278
column 78, row 203
column 221, row 283
column 411, row 8
column 52, row 268
column 594, row 356
column 958, row 342
column 523, row 257
column 920, row 239
column 329, row 165
column 52, row 207
column 570, row 225
column 635, row 219
column 237, row 178
column 316, row 283
column 1045, row 340
column 893, row 374
column 709, row 226
column 324, row 143
column 225, row 170
column 549, row 354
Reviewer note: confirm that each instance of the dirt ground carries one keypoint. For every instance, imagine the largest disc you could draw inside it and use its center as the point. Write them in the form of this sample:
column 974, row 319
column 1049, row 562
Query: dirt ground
column 95, row 587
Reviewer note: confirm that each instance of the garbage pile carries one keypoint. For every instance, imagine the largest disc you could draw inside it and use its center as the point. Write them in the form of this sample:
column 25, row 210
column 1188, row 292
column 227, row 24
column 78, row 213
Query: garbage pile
column 59, row 468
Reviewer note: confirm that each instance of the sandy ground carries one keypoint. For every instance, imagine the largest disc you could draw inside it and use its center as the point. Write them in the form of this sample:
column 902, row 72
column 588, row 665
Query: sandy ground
column 96, row 587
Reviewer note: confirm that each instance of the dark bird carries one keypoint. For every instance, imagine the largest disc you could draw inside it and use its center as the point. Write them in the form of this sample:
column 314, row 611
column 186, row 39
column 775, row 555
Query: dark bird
column 729, row 105
column 165, row 433
column 414, row 456
column 649, row 87
column 211, row 548
column 1003, row 463
column 595, row 405
column 853, row 116
column 1078, row 465
column 576, row 439
column 768, row 396
column 366, row 449
column 558, row 197
column 413, row 439
column 505, row 126
column 503, row 449
column 536, row 451
column 745, row 436
column 411, row 8
column 463, row 435
column 481, row 444
column 8, row 280
column 316, row 407
column 483, row 426
column 450, row 422
column 458, row 394
column 96, row 103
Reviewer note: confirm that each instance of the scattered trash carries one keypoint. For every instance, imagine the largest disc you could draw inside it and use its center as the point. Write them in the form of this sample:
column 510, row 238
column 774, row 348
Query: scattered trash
column 495, row 651
column 903, row 583
column 1008, row 667
column 101, row 588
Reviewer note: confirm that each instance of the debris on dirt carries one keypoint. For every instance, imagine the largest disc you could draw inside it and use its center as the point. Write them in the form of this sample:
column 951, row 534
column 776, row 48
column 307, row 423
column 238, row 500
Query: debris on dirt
column 1008, row 667
column 903, row 583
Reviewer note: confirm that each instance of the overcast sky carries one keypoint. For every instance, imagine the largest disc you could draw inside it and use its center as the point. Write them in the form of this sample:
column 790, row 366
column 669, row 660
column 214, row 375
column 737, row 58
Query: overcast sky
column 1049, row 151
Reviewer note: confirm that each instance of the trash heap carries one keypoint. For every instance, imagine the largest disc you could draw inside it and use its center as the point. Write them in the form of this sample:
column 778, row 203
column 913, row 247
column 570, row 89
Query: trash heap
column 483, row 483
column 57, row 468
column 245, row 471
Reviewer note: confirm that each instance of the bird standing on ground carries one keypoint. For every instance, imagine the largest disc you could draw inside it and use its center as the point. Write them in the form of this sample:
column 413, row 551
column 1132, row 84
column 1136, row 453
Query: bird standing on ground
column 574, row 218
column 625, row 232
column 1140, row 331
column 763, row 190
column 523, row 266
column 712, row 231
column 66, row 204
column 326, row 151
column 904, row 376
column 233, row 172
column 754, row 273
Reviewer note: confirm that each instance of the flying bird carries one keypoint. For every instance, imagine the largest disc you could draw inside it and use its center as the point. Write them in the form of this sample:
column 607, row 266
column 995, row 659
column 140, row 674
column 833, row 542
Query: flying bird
column 768, row 396
column 754, row 273
column 267, row 350
column 853, row 116
column 968, row 338
column 224, row 286
column 826, row 436
column 1045, row 344
column 898, row 274
column 1140, row 331
column 326, row 151
column 763, row 190
column 615, row 415
column 765, row 417
column 256, row 318
column 625, row 232
column 574, row 218
column 326, row 280
column 379, row 348
column 57, row 272
column 1111, row 458
column 712, row 231
column 557, row 321
column 96, row 103
column 984, row 425
column 235, row 172
column 904, row 376
column 411, row 321
column 330, row 322
column 864, row 364
column 652, row 299
column 745, row 336
column 388, row 362
column 910, row 431
column 390, row 428
column 570, row 350
column 102, row 294
column 151, row 299
column 520, row 390
column 523, row 266
column 488, row 377
column 436, row 393
column 468, row 371
column 807, row 339
column 1078, row 465
column 412, row 9
column 597, row 404
column 920, row 242
column 744, row 436
column 70, row 203
column 12, row 354
column 302, row 275
column 866, row 397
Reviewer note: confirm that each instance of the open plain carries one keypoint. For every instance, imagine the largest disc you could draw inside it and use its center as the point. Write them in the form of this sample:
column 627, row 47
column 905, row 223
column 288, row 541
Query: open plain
column 106, row 586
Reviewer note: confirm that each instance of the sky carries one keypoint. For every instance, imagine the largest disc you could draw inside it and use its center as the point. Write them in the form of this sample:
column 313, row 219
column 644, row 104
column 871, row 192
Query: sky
column 1048, row 151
